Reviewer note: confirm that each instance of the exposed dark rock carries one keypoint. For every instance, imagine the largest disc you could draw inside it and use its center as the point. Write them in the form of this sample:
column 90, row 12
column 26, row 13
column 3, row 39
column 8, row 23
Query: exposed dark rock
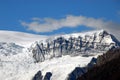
column 38, row 76
column 92, row 62
column 76, row 73
column 107, row 67
column 108, row 56
column 47, row 76
column 79, row 71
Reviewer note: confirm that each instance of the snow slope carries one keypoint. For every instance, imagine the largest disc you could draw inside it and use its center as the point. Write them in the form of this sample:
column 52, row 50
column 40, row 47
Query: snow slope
column 13, row 69
column 21, row 66
column 23, row 39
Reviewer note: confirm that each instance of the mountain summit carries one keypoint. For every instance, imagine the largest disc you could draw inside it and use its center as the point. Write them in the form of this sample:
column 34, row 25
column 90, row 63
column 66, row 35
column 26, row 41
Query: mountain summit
column 73, row 44
column 22, row 55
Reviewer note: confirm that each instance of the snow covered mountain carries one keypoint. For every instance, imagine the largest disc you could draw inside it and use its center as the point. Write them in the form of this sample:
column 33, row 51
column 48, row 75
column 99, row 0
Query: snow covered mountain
column 73, row 45
column 20, row 38
column 7, row 49
column 54, row 54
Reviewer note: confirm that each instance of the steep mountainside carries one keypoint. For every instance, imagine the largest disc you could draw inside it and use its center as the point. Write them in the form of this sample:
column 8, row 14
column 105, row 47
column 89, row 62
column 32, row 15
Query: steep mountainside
column 50, row 56
column 107, row 67
column 73, row 44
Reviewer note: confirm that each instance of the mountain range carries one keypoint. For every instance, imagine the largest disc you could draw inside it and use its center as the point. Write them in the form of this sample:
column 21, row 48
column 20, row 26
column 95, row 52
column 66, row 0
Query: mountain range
column 73, row 45
column 26, row 56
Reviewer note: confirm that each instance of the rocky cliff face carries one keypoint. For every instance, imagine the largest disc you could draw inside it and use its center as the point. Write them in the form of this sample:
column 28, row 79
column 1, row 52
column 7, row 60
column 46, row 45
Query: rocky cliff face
column 79, row 71
column 106, row 68
column 39, row 76
column 73, row 44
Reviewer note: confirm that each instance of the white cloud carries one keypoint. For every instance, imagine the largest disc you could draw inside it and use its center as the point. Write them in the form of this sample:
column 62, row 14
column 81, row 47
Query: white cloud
column 50, row 24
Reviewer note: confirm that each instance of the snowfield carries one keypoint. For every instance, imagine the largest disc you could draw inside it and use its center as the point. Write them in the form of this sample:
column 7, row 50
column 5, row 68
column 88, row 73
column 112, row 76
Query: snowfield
column 20, row 38
column 17, row 63
column 22, row 66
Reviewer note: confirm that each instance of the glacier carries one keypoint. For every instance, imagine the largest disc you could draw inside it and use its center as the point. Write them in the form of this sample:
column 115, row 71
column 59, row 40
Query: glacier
column 22, row 55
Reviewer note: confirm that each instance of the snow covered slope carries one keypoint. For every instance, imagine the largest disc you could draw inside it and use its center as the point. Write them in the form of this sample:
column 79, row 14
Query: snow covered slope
column 20, row 38
column 17, row 62
column 73, row 44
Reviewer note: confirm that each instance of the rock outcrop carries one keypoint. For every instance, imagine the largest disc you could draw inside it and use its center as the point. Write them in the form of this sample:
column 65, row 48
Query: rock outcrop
column 75, row 44
column 107, row 67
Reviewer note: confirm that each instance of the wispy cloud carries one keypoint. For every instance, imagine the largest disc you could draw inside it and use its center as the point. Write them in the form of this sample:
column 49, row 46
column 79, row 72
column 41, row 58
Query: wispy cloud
column 50, row 24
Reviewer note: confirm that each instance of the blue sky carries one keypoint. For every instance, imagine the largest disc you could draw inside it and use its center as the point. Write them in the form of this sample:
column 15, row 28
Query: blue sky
column 59, row 16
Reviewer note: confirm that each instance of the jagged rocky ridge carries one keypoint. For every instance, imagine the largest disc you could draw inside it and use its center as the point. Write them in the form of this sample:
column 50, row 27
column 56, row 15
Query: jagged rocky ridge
column 74, row 44
column 107, row 67
column 79, row 71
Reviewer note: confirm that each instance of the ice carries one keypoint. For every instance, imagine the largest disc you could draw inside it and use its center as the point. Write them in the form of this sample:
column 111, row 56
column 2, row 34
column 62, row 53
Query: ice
column 17, row 62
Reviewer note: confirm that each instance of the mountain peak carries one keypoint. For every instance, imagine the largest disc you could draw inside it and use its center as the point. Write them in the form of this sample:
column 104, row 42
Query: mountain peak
column 104, row 32
column 73, row 45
